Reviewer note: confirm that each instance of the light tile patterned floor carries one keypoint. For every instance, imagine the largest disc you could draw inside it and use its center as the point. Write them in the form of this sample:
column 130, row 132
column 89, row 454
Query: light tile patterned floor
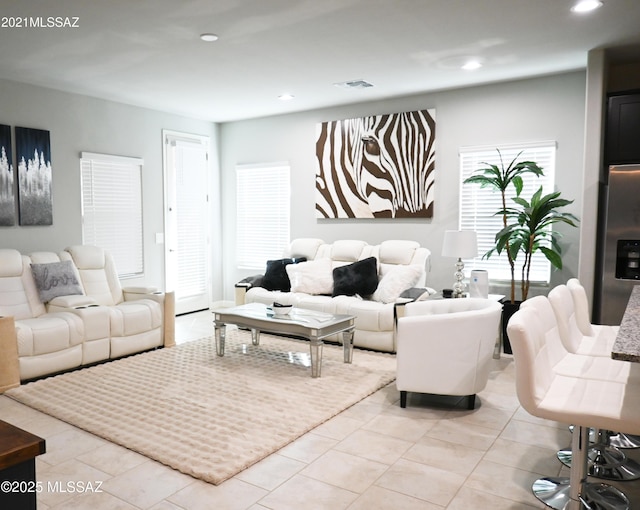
column 432, row 455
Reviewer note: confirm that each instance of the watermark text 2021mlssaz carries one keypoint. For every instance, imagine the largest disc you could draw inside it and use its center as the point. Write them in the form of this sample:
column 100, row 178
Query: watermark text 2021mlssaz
column 39, row 22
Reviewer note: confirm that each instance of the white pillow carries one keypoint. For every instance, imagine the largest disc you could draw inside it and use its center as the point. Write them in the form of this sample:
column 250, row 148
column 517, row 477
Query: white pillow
column 311, row 277
column 397, row 280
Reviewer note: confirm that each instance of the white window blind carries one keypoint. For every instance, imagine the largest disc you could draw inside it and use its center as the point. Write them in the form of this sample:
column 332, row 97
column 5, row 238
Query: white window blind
column 112, row 208
column 262, row 198
column 478, row 205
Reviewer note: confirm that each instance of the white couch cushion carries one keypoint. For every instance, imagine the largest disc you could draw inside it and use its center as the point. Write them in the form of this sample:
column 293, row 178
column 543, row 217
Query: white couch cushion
column 347, row 251
column 397, row 280
column 311, row 277
column 18, row 295
column 134, row 317
column 48, row 333
column 397, row 252
column 97, row 272
column 10, row 263
column 303, row 247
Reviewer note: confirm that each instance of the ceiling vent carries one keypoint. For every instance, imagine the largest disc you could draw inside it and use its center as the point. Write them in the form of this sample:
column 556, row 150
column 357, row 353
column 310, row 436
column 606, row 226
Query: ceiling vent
column 354, row 84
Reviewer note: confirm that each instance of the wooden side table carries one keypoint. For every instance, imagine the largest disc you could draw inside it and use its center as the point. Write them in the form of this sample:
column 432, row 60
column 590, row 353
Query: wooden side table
column 18, row 452
column 9, row 365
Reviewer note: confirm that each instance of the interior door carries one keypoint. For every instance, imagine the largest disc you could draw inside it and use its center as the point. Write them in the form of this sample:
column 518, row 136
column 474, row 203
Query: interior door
column 187, row 220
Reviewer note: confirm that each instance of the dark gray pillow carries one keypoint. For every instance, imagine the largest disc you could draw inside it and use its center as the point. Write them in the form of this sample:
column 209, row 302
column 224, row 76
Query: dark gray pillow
column 55, row 279
column 360, row 278
column 276, row 277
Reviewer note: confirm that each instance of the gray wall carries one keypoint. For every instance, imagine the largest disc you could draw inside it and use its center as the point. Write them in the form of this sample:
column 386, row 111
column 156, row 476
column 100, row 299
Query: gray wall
column 79, row 123
column 546, row 108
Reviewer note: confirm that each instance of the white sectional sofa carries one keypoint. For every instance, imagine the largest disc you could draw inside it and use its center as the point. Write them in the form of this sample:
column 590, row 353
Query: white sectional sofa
column 70, row 310
column 398, row 265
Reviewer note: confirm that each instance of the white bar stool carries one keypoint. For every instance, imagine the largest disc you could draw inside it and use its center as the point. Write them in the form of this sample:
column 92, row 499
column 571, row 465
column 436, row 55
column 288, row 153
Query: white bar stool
column 585, row 402
column 605, row 460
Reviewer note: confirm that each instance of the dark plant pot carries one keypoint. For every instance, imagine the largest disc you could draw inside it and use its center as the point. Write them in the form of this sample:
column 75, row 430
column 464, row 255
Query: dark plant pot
column 508, row 309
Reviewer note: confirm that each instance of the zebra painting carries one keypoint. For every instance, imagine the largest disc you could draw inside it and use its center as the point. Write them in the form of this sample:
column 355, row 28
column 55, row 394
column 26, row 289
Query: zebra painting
column 376, row 167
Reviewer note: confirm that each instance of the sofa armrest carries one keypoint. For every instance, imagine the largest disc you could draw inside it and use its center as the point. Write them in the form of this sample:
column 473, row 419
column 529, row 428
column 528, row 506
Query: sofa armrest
column 9, row 364
column 166, row 300
column 62, row 303
column 251, row 281
column 244, row 285
column 141, row 290
column 416, row 294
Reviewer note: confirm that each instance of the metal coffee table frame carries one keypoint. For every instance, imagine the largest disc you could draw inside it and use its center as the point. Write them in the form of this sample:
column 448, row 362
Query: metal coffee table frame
column 309, row 324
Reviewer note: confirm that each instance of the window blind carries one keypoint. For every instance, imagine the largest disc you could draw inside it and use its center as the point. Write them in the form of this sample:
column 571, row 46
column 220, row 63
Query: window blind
column 478, row 205
column 263, row 204
column 112, row 208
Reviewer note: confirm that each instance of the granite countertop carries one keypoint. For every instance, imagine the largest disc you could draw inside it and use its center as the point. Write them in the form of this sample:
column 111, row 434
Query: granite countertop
column 627, row 344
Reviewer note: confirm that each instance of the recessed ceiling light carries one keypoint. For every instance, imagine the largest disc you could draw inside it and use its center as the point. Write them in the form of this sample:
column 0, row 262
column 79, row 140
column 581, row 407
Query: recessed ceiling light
column 209, row 37
column 286, row 97
column 586, row 5
column 471, row 65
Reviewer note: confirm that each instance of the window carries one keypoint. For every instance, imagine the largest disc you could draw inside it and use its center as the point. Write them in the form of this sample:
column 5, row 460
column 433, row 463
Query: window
column 262, row 198
column 112, row 208
column 477, row 205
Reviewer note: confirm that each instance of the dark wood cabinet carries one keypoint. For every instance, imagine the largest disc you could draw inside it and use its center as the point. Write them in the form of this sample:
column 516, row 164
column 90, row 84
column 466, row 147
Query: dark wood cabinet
column 623, row 129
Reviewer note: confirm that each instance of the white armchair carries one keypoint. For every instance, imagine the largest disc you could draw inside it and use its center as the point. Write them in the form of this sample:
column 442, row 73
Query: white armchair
column 445, row 347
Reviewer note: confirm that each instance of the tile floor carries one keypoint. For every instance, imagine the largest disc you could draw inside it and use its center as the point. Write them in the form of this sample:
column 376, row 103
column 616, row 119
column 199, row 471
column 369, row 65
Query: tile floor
column 374, row 455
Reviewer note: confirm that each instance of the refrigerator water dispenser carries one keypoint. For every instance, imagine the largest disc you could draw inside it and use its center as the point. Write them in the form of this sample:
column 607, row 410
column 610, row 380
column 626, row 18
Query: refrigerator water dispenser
column 628, row 260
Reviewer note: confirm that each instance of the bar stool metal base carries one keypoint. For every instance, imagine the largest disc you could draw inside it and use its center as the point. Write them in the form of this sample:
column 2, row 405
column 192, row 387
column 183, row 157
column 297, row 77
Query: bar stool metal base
column 621, row 440
column 554, row 492
column 605, row 462
column 615, row 439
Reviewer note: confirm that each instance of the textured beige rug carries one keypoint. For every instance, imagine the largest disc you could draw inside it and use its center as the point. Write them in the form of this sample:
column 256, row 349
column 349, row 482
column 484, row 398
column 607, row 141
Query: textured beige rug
column 207, row 416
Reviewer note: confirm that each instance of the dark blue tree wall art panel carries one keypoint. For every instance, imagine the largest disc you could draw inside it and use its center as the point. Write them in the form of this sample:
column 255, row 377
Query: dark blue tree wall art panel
column 7, row 179
column 33, row 151
column 381, row 166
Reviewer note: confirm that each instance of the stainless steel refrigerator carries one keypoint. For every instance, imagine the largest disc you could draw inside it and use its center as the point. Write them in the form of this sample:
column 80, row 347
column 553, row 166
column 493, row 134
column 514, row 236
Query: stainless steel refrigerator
column 618, row 243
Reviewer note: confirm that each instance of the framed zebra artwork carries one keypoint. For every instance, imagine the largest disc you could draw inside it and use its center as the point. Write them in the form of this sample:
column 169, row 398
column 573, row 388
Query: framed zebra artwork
column 381, row 166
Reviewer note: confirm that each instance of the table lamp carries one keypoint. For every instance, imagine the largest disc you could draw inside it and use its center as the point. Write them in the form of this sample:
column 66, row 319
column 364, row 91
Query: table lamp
column 460, row 244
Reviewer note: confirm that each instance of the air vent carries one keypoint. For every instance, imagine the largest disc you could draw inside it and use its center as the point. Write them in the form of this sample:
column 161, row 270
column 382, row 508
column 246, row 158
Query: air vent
column 354, row 84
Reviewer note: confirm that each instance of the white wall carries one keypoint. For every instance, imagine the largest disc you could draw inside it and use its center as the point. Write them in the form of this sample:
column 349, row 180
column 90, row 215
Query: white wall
column 79, row 123
column 545, row 108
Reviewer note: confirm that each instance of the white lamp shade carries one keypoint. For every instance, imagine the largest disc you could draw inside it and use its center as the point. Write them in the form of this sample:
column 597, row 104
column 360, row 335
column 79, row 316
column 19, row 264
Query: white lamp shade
column 460, row 244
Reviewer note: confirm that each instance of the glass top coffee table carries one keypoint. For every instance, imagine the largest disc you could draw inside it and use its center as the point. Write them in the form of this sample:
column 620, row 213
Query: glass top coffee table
column 309, row 324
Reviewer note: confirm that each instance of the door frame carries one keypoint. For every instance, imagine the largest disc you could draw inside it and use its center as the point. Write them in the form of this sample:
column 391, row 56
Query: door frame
column 167, row 137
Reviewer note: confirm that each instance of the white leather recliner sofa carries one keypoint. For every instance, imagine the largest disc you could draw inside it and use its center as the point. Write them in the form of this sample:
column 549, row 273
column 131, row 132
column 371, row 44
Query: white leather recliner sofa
column 401, row 264
column 95, row 320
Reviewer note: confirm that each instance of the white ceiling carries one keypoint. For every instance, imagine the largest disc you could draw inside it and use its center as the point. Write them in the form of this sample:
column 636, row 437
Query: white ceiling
column 148, row 52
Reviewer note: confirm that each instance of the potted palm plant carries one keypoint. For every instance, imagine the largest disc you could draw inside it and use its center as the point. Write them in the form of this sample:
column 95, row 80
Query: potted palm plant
column 501, row 178
column 530, row 230
column 526, row 226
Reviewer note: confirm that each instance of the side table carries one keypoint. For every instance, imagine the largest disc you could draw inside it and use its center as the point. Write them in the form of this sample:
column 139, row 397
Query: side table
column 9, row 365
column 18, row 452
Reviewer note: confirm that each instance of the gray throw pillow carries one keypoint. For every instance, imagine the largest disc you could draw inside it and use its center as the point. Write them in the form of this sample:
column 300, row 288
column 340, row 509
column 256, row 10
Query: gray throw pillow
column 55, row 279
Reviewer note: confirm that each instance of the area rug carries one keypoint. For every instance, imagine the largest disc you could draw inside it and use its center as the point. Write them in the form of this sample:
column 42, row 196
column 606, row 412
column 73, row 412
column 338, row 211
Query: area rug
column 209, row 416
